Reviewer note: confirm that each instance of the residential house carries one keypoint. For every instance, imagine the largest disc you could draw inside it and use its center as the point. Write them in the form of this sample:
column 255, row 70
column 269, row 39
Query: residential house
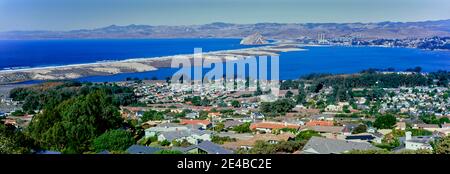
column 333, row 108
column 139, row 114
column 319, row 145
column 334, row 132
column 378, row 137
column 384, row 131
column 445, row 126
column 256, row 115
column 191, row 136
column 138, row 149
column 192, row 115
column 165, row 127
column 417, row 142
column 428, row 127
column 230, row 124
column 326, row 117
column 249, row 143
column 319, row 123
column 361, row 137
column 205, row 147
column 214, row 114
column 348, row 128
column 400, row 126
column 268, row 127
column 203, row 123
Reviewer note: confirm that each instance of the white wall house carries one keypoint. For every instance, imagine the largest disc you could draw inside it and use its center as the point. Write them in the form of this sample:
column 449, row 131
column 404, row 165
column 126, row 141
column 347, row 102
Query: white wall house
column 417, row 143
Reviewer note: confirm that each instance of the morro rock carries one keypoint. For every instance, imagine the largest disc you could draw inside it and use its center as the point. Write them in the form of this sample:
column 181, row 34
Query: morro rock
column 254, row 39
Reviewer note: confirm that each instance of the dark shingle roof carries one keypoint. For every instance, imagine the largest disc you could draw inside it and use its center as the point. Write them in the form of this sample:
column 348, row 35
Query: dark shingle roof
column 209, row 147
column 359, row 137
column 319, row 145
column 138, row 149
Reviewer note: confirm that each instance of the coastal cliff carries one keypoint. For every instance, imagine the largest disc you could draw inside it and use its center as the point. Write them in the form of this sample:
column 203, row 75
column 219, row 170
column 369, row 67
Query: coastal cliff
column 254, row 39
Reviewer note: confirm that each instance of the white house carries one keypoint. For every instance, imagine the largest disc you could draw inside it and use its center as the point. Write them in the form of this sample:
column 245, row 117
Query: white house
column 415, row 143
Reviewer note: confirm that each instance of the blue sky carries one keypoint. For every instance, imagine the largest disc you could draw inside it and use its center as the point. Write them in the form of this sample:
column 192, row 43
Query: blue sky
column 78, row 14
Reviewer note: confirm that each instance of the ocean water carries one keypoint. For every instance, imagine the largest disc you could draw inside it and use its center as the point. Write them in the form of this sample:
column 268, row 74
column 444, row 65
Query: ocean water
column 326, row 59
column 38, row 53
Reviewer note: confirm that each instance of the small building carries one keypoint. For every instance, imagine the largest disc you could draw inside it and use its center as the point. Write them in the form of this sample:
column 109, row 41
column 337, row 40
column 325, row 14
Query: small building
column 214, row 114
column 139, row 149
column 191, row 136
column 230, row 124
column 417, row 142
column 400, row 126
column 257, row 115
column 165, row 127
column 268, row 127
column 205, row 147
column 428, row 127
column 319, row 123
column 360, row 138
column 192, row 115
column 326, row 117
column 445, row 126
column 319, row 145
column 203, row 123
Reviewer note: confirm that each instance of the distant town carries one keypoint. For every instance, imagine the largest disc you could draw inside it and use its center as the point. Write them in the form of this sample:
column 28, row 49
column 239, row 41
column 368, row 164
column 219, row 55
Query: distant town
column 371, row 112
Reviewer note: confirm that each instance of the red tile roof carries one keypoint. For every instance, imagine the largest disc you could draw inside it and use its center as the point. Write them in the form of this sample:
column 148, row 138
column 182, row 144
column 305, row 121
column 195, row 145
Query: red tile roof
column 319, row 123
column 195, row 122
column 273, row 125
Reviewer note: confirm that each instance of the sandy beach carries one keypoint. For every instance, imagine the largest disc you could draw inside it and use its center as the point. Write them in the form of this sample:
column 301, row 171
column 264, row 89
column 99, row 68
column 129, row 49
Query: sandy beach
column 133, row 65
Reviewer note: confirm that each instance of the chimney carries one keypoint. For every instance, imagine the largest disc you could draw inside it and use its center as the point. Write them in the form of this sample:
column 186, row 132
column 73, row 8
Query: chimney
column 408, row 135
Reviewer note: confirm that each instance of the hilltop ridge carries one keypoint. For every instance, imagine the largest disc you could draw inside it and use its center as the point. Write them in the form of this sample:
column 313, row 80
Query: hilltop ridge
column 389, row 30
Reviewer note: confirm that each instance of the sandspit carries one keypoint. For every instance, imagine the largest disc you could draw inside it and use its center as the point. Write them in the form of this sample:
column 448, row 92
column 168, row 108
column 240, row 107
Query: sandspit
column 133, row 65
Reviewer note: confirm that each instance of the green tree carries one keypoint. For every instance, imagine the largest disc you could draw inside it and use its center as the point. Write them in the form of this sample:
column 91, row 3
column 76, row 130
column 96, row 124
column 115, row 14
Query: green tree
column 164, row 143
column 235, row 103
column 152, row 115
column 306, row 135
column 18, row 113
column 113, row 140
column 218, row 127
column 13, row 141
column 7, row 145
column 288, row 94
column 279, row 106
column 70, row 126
column 243, row 128
column 346, row 109
column 220, row 140
column 442, row 146
column 385, row 121
column 360, row 129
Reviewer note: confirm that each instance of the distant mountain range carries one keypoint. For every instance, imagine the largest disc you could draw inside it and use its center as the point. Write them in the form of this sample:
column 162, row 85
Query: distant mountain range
column 381, row 30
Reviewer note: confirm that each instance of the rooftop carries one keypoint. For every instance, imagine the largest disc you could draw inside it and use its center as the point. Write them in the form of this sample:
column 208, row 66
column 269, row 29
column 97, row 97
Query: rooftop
column 273, row 125
column 319, row 145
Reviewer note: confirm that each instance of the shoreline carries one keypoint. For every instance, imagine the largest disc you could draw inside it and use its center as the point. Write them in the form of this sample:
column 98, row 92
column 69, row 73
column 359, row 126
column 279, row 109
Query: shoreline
column 74, row 71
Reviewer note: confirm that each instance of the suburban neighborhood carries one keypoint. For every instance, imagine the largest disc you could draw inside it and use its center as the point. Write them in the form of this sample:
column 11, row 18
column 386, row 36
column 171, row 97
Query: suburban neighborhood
column 304, row 118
